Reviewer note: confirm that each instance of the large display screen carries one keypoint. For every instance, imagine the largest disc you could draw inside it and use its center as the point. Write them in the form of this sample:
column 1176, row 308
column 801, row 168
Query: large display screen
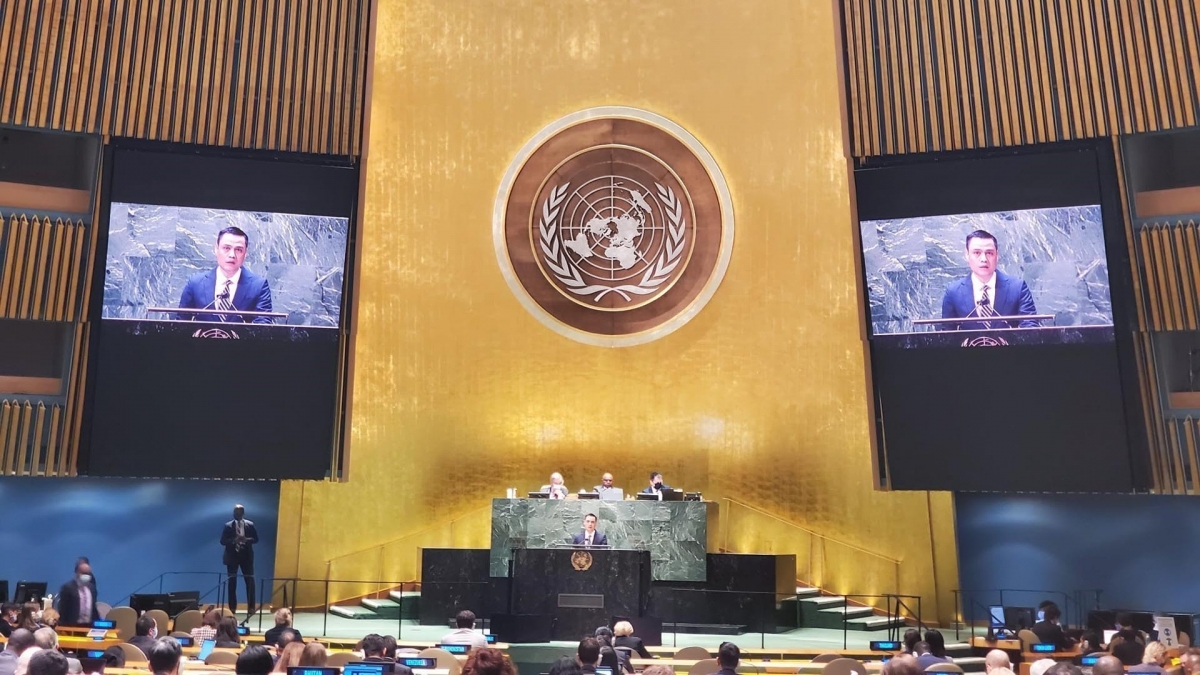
column 234, row 266
column 220, row 327
column 984, row 275
column 998, row 290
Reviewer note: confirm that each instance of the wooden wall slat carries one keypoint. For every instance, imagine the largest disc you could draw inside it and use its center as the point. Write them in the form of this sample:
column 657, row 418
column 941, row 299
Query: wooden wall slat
column 935, row 75
column 264, row 74
column 32, row 275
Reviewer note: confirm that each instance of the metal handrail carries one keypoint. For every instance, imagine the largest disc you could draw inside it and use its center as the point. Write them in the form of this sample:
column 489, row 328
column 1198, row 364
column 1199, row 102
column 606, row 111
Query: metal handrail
column 814, row 533
column 414, row 533
column 893, row 628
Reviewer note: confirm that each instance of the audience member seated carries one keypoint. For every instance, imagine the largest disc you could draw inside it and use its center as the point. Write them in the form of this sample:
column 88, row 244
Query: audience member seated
column 375, row 648
column 996, row 659
column 911, row 637
column 147, row 632
column 1124, row 622
column 1190, row 660
column 286, row 637
column 657, row 670
column 1154, row 657
column 1108, row 665
column 937, row 643
column 609, row 657
column 925, row 657
column 290, row 656
column 627, row 640
column 314, row 655
column 465, row 634
column 23, row 660
column 1040, row 666
column 903, row 664
column 556, row 488
column 29, row 617
column 254, row 660
column 488, row 661
column 48, row 662
column 9, row 613
column 283, row 621
column 565, row 665
column 1089, row 643
column 728, row 657
column 18, row 641
column 389, row 647
column 1065, row 668
column 227, row 636
column 50, row 618
column 1126, row 647
column 1048, row 629
column 164, row 656
column 207, row 630
column 588, row 654
column 46, row 638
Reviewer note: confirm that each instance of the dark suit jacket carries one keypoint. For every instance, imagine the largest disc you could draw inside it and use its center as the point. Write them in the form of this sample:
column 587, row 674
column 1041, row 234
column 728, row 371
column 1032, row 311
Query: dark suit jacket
column 229, row 535
column 253, row 295
column 1011, row 297
column 646, row 491
column 598, row 540
column 68, row 603
column 1051, row 633
column 142, row 642
column 632, row 642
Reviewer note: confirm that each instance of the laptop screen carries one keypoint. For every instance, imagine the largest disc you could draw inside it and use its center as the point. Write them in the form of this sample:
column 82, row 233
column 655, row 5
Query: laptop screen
column 996, row 614
column 206, row 648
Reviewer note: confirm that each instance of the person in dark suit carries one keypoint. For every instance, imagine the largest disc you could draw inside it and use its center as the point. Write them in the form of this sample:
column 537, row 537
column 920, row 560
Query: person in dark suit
column 228, row 286
column 1048, row 630
column 728, row 657
column 589, row 536
column 625, row 639
column 147, row 633
column 588, row 654
column 986, row 291
column 77, row 597
column 656, row 484
column 239, row 538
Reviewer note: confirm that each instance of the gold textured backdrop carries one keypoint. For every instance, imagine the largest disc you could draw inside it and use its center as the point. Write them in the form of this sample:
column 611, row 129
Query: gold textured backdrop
column 459, row 393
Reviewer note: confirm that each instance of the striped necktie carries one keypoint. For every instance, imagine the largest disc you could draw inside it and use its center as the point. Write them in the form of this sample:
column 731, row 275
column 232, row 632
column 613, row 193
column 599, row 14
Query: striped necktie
column 223, row 302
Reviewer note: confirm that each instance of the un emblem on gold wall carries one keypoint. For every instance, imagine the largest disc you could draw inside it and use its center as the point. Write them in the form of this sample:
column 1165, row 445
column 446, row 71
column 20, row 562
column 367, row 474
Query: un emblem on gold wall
column 613, row 226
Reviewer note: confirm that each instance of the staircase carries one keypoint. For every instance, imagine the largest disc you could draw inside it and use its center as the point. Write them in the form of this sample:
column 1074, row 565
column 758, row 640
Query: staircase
column 831, row 611
column 398, row 605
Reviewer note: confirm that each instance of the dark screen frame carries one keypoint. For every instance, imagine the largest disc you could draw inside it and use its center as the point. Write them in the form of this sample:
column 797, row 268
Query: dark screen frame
column 150, row 172
column 1083, row 172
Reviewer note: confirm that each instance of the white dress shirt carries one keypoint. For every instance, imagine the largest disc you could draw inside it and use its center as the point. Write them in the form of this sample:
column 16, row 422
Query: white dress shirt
column 221, row 278
column 978, row 285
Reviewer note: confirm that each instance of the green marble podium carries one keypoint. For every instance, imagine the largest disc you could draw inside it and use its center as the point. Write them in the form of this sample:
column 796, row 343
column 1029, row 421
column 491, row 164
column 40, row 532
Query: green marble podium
column 677, row 534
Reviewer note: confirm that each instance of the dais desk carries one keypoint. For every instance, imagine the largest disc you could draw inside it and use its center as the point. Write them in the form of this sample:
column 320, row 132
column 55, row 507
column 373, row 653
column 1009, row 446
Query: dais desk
column 677, row 534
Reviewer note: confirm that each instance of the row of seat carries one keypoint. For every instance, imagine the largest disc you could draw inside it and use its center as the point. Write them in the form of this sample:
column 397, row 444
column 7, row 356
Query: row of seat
column 125, row 620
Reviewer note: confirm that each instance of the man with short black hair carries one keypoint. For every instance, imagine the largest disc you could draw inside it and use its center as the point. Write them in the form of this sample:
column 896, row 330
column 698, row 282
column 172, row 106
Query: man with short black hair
column 986, row 291
column 656, row 485
column 48, row 662
column 925, row 656
column 374, row 647
column 164, row 656
column 728, row 657
column 229, row 286
column 18, row 642
column 147, row 632
column 465, row 634
column 588, row 654
column 589, row 536
column 1048, row 630
column 76, row 600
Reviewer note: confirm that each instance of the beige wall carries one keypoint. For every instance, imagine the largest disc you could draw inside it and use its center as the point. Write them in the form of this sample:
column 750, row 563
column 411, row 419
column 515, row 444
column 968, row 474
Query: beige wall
column 459, row 393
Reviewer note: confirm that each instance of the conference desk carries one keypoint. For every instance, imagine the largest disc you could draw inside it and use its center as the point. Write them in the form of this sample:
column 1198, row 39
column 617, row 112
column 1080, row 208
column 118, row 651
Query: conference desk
column 780, row 667
column 1006, row 645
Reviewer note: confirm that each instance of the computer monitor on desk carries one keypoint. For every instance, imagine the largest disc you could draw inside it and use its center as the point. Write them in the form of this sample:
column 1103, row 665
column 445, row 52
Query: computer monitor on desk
column 539, row 495
column 664, row 495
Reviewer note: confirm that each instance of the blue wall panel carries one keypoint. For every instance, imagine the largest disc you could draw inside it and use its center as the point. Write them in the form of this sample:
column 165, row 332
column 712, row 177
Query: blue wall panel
column 1137, row 548
column 132, row 530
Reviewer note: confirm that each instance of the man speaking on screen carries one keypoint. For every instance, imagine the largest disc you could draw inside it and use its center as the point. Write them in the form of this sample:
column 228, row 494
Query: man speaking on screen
column 229, row 286
column 987, row 292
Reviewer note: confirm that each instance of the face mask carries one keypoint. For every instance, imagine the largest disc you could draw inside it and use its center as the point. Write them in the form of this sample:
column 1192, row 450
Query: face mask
column 85, row 578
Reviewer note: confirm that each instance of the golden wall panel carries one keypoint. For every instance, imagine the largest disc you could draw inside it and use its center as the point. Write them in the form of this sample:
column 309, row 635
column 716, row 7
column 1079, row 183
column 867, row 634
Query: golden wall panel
column 271, row 74
column 461, row 393
column 928, row 75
